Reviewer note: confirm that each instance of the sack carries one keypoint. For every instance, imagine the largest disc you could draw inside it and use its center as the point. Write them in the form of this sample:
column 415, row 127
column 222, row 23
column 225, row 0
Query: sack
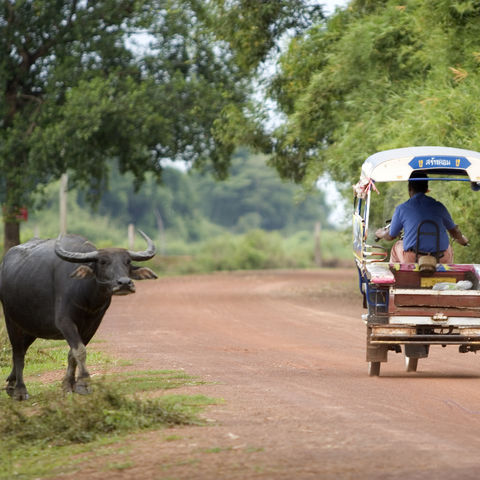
column 427, row 264
column 460, row 285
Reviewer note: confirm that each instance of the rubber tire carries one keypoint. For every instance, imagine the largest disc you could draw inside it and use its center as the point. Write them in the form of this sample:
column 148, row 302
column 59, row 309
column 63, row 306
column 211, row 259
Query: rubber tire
column 374, row 369
column 411, row 364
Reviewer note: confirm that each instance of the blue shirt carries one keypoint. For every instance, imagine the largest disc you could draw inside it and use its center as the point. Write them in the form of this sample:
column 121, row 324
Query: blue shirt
column 409, row 215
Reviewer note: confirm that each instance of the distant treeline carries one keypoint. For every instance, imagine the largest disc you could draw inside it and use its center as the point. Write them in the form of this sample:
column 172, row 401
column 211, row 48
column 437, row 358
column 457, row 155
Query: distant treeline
column 195, row 206
column 251, row 220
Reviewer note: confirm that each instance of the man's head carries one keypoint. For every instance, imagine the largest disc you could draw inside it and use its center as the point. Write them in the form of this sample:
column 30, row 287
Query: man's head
column 418, row 186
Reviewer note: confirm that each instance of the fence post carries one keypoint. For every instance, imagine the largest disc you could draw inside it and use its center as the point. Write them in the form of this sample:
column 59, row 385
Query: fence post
column 131, row 236
column 63, row 203
column 318, row 248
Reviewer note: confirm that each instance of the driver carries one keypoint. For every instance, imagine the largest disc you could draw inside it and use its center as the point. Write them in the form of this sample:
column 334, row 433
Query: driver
column 409, row 215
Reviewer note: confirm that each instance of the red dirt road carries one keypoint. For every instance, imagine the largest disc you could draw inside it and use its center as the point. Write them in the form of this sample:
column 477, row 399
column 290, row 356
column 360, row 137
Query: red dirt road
column 286, row 352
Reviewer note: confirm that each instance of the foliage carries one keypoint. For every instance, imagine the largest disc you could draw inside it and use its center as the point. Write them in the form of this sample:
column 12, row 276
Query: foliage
column 188, row 206
column 254, row 197
column 77, row 91
column 377, row 75
column 253, row 28
column 256, row 249
column 205, row 224
column 5, row 349
column 76, row 419
column 78, row 95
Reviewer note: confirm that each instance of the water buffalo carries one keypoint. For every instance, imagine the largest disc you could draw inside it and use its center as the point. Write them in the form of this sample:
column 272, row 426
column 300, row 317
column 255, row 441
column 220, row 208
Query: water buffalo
column 45, row 294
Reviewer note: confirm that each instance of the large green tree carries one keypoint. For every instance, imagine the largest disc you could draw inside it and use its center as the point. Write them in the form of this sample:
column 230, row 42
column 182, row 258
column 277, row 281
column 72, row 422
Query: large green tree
column 379, row 74
column 76, row 92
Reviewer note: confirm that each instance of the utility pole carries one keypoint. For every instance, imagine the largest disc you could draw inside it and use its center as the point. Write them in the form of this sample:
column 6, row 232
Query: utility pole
column 63, row 203
column 318, row 247
column 131, row 236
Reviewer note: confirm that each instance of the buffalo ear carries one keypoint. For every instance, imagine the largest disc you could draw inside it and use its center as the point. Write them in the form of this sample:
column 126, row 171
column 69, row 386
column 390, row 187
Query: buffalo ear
column 83, row 271
column 142, row 273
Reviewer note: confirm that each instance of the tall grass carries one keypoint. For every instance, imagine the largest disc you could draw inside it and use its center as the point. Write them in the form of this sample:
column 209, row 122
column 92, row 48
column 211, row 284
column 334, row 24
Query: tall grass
column 40, row 437
column 60, row 420
column 256, row 249
column 5, row 355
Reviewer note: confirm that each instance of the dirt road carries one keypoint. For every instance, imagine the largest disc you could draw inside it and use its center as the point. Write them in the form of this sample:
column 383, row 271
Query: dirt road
column 286, row 350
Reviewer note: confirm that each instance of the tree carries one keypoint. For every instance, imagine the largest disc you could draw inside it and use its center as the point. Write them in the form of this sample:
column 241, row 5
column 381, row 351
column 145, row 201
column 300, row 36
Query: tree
column 253, row 28
column 254, row 197
column 379, row 75
column 76, row 93
column 194, row 206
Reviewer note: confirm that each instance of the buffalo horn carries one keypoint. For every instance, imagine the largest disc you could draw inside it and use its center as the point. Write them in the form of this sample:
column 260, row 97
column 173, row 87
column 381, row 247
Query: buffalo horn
column 75, row 257
column 146, row 254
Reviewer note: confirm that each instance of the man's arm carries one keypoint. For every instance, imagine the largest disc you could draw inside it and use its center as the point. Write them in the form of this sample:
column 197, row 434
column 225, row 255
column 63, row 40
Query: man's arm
column 457, row 235
column 384, row 233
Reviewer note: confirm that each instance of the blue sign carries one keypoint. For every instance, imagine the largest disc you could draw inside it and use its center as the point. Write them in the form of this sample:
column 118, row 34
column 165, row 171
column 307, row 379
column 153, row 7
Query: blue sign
column 439, row 161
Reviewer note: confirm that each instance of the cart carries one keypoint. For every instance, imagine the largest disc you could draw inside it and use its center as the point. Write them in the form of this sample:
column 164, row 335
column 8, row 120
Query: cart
column 404, row 307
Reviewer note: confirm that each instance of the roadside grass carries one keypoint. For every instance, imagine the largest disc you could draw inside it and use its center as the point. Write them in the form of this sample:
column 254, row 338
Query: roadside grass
column 47, row 355
column 50, row 433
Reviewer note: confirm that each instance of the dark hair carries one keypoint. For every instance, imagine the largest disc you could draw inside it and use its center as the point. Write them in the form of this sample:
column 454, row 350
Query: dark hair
column 418, row 186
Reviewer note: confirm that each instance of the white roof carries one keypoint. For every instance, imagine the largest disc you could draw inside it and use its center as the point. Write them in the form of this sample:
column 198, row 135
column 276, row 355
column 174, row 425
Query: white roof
column 398, row 164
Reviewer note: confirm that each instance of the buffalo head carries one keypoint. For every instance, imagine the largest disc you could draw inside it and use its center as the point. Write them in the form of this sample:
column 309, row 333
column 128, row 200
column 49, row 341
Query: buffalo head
column 112, row 268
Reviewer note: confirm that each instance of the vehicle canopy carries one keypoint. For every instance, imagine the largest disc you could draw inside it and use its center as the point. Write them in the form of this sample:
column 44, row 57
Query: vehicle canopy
column 398, row 164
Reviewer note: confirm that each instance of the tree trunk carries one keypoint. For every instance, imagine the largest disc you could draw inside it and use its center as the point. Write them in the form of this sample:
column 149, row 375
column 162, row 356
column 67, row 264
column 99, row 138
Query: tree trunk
column 12, row 235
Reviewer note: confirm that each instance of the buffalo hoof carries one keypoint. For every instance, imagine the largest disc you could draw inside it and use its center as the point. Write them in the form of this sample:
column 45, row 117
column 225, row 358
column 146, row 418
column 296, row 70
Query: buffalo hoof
column 67, row 386
column 20, row 394
column 82, row 388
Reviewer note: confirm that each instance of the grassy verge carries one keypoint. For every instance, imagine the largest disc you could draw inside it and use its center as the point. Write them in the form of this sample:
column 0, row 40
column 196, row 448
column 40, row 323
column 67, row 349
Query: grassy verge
column 51, row 433
column 255, row 249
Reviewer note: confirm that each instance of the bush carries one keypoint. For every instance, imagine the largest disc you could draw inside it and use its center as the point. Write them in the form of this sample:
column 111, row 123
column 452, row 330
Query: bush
column 80, row 419
column 256, row 249
column 259, row 250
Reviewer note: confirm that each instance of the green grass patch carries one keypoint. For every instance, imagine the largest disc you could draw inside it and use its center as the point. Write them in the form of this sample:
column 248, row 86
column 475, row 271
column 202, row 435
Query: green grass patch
column 120, row 465
column 51, row 433
column 256, row 249
column 62, row 420
column 131, row 382
column 48, row 355
column 42, row 436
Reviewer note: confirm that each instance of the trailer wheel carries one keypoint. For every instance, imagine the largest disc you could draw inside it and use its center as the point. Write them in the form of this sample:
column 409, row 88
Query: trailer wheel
column 411, row 364
column 374, row 369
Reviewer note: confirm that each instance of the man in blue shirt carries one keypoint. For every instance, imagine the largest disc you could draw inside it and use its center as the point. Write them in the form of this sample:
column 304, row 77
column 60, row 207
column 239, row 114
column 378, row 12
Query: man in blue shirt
column 410, row 214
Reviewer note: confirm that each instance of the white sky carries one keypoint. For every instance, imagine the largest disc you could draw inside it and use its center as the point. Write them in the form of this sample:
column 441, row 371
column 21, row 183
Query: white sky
column 329, row 5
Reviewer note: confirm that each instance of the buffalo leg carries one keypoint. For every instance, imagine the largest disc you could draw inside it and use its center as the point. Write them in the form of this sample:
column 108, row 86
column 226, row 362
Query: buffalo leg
column 81, row 385
column 68, row 383
column 77, row 357
column 20, row 342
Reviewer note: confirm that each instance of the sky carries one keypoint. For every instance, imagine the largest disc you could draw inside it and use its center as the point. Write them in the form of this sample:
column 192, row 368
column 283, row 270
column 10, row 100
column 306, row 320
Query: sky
column 329, row 5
